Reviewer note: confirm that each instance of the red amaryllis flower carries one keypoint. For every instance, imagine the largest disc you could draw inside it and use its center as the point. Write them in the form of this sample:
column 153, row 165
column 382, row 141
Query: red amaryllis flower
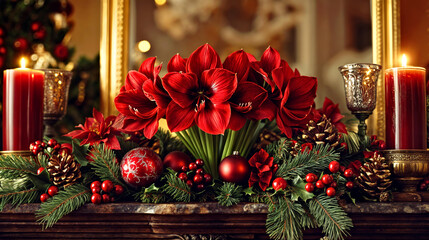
column 143, row 101
column 249, row 96
column 97, row 130
column 262, row 171
column 332, row 112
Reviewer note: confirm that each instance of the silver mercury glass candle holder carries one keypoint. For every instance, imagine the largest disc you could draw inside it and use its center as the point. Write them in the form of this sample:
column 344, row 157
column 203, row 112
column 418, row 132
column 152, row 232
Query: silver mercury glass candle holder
column 360, row 85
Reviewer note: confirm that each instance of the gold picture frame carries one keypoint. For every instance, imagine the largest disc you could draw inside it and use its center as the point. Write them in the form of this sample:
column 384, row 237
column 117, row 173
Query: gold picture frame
column 114, row 50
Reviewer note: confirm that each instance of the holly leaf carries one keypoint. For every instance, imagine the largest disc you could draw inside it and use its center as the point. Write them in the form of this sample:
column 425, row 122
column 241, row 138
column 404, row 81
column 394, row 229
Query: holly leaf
column 79, row 153
column 152, row 188
column 249, row 191
column 298, row 190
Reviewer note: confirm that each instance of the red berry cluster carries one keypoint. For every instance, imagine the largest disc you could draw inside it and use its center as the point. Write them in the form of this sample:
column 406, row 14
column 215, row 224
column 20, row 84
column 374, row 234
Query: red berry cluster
column 279, row 184
column 327, row 181
column 194, row 175
column 52, row 191
column 377, row 144
column 105, row 192
column 424, row 184
column 40, row 146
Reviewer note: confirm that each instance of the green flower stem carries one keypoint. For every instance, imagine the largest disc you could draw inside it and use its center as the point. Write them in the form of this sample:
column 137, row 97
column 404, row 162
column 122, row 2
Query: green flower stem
column 195, row 141
column 246, row 137
column 212, row 162
column 186, row 141
column 203, row 141
column 257, row 127
column 241, row 138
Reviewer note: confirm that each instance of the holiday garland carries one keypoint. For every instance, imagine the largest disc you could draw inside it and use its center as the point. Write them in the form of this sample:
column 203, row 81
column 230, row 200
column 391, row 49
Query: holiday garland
column 301, row 175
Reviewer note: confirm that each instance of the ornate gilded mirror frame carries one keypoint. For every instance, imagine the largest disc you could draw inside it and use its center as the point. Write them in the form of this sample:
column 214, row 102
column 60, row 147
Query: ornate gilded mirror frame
column 114, row 50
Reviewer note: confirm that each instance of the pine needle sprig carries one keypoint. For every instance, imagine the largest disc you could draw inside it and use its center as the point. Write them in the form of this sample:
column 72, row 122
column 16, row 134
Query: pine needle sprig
column 229, row 194
column 18, row 197
column 16, row 166
column 65, row 202
column 283, row 220
column 279, row 150
column 330, row 216
column 314, row 161
column 105, row 165
column 177, row 189
column 168, row 143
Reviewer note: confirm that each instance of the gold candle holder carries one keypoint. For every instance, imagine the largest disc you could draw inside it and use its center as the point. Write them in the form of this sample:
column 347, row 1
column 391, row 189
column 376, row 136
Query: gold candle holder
column 408, row 167
column 22, row 153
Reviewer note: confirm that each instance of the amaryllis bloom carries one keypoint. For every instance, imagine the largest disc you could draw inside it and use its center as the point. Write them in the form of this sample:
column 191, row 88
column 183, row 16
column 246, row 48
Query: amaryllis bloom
column 262, row 169
column 142, row 100
column 97, row 130
column 249, row 96
column 200, row 95
column 332, row 112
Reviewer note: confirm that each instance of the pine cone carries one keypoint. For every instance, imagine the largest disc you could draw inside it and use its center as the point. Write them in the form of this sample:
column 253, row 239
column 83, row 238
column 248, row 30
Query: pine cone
column 374, row 177
column 63, row 169
column 321, row 132
column 266, row 138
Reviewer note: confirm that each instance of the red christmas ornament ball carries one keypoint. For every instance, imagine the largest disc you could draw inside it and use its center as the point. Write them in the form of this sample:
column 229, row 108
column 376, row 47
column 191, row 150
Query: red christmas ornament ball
column 279, row 183
column 2, row 51
column 235, row 169
column 20, row 44
column 35, row 26
column 176, row 160
column 61, row 52
column 141, row 167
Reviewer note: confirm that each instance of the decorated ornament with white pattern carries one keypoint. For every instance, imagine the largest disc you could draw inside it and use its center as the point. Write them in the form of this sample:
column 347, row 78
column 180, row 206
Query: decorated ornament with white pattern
column 141, row 167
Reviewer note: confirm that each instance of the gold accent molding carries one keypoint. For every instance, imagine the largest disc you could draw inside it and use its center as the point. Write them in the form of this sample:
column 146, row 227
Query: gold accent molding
column 113, row 51
column 385, row 45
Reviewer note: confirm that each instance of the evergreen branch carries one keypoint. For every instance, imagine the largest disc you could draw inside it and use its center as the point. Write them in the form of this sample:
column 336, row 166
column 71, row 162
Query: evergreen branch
column 229, row 194
column 105, row 164
column 280, row 150
column 16, row 166
column 330, row 216
column 151, row 194
column 314, row 161
column 353, row 142
column 283, row 220
column 177, row 189
column 168, row 143
column 18, row 197
column 62, row 204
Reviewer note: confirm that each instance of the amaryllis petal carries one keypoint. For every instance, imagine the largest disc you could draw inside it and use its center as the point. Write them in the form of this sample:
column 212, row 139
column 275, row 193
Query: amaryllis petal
column 238, row 62
column 220, row 83
column 249, row 93
column 97, row 115
column 134, row 124
column 270, row 60
column 176, row 64
column 179, row 118
column 204, row 58
column 134, row 80
column 237, row 121
column 151, row 128
column 302, row 92
column 180, row 86
column 214, row 118
column 147, row 67
column 267, row 110
column 134, row 103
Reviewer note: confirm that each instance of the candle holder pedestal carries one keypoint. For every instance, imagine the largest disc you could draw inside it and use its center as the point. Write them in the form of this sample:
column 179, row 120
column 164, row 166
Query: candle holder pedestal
column 408, row 167
column 22, row 153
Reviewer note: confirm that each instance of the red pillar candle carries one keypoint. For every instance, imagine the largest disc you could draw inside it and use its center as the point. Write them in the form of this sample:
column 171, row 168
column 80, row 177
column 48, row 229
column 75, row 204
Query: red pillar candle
column 22, row 108
column 405, row 108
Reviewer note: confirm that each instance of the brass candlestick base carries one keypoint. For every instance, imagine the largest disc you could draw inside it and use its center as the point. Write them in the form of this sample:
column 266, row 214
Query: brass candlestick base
column 408, row 167
column 22, row 153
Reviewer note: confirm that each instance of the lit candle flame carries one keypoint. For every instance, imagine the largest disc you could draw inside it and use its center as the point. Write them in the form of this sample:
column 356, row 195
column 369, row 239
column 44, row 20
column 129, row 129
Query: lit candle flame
column 23, row 61
column 404, row 60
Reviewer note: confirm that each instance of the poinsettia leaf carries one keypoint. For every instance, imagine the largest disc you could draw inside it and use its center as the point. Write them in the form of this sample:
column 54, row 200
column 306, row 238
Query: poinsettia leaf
column 298, row 190
column 79, row 153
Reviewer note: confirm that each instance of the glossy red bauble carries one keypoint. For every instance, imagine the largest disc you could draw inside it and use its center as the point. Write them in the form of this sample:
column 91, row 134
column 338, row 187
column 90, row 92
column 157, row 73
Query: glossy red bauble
column 330, row 191
column 141, row 167
column 279, row 183
column 44, row 197
column 234, row 168
column 40, row 170
column 53, row 190
column 311, row 177
column 176, row 160
column 327, row 179
column 61, row 52
column 119, row 189
column 96, row 198
column 21, row 44
column 320, row 184
column 334, row 166
column 107, row 186
column 309, row 187
column 348, row 173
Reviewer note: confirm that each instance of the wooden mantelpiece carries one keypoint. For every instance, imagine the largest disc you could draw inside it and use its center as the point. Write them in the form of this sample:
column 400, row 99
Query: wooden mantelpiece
column 407, row 220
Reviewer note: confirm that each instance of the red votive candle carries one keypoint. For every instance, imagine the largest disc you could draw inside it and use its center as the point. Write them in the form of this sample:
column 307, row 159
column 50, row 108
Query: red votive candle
column 22, row 108
column 406, row 108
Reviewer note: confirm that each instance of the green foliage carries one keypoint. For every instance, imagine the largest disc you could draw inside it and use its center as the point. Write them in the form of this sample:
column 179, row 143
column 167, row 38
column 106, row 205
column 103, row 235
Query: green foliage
column 13, row 167
column 151, row 194
column 105, row 165
column 177, row 189
column 79, row 152
column 330, row 216
column 126, row 146
column 298, row 190
column 168, row 143
column 62, row 204
column 314, row 161
column 284, row 218
column 353, row 142
column 16, row 197
column 229, row 194
column 279, row 150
